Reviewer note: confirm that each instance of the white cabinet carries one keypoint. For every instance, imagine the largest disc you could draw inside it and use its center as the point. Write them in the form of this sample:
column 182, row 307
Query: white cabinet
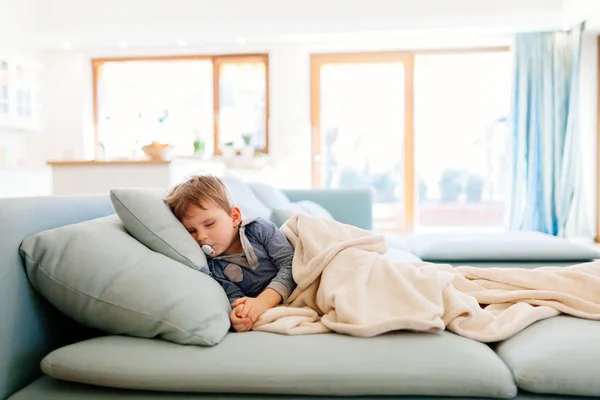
column 99, row 177
column 19, row 87
column 96, row 177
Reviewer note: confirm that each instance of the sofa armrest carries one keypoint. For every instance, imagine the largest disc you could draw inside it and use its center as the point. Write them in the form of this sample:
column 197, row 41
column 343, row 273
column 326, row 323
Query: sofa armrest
column 31, row 327
column 349, row 206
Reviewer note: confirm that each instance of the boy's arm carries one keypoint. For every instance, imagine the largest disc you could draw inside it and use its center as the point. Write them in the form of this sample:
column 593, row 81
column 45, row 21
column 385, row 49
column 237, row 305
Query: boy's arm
column 281, row 252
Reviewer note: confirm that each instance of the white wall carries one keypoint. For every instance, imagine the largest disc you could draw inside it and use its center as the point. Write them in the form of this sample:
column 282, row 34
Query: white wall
column 156, row 22
column 289, row 126
column 14, row 41
column 575, row 11
column 67, row 116
column 22, row 175
column 16, row 20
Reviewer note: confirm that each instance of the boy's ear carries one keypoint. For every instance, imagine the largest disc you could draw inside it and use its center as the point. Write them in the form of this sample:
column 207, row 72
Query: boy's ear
column 236, row 215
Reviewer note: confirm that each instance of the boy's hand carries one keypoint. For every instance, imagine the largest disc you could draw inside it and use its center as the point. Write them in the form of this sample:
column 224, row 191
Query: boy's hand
column 251, row 308
column 239, row 323
column 255, row 307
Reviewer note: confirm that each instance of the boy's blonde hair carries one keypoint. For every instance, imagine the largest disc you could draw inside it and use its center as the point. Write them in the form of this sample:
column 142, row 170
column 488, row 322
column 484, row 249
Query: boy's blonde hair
column 198, row 189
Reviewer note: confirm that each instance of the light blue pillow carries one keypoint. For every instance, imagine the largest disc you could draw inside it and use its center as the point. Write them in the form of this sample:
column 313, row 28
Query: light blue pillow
column 151, row 221
column 507, row 246
column 314, row 209
column 245, row 198
column 280, row 215
column 269, row 195
column 103, row 278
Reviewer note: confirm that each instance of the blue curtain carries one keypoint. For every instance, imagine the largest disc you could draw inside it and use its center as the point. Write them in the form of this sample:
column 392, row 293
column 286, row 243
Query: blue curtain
column 546, row 151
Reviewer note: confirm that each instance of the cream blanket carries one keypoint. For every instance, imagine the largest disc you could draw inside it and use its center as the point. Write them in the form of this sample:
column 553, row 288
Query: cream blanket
column 347, row 285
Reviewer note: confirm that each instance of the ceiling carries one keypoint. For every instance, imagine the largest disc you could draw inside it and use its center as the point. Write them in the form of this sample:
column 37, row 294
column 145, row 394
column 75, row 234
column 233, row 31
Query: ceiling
column 139, row 23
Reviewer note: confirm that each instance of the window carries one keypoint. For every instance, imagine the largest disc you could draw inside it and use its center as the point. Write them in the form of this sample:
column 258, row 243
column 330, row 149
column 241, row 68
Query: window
column 24, row 92
column 18, row 95
column 242, row 101
column 462, row 144
column 425, row 131
column 170, row 100
column 4, row 99
column 361, row 115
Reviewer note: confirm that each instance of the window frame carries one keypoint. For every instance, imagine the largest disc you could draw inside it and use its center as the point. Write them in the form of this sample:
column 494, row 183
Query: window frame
column 216, row 60
column 317, row 60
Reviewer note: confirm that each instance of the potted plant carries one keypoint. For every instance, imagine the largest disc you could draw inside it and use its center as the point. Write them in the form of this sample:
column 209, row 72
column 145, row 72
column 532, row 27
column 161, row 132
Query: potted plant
column 227, row 150
column 247, row 150
column 199, row 144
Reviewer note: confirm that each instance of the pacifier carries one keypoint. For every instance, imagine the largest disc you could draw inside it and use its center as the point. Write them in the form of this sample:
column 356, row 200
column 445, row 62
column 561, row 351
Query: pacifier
column 208, row 250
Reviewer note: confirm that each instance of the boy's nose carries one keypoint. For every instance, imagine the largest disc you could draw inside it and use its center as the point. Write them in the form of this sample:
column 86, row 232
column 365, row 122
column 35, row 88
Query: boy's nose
column 202, row 237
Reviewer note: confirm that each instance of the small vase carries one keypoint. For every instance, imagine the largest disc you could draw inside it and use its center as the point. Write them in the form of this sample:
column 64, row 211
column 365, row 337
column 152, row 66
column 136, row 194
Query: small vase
column 227, row 151
column 247, row 152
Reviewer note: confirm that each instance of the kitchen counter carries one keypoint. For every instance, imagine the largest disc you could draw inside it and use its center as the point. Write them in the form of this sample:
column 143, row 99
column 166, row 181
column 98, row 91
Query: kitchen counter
column 98, row 176
column 94, row 176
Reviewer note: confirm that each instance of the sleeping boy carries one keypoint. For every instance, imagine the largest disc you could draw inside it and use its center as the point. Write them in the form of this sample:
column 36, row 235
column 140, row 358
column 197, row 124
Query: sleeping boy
column 250, row 258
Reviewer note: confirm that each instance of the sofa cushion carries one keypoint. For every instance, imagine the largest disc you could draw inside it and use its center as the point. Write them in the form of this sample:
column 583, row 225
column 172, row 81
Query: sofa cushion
column 314, row 209
column 400, row 255
column 394, row 240
column 100, row 276
column 258, row 362
column 512, row 264
column 280, row 215
column 245, row 198
column 147, row 218
column 509, row 246
column 269, row 195
column 559, row 355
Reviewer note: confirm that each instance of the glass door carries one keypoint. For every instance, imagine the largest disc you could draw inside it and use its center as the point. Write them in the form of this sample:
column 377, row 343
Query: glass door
column 462, row 140
column 362, row 130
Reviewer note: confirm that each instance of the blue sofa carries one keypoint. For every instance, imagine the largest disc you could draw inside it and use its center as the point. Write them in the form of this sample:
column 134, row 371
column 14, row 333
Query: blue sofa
column 558, row 358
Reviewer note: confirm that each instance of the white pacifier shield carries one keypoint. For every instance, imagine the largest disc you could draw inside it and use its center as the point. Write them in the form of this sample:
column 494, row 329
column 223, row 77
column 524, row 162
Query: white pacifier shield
column 208, row 250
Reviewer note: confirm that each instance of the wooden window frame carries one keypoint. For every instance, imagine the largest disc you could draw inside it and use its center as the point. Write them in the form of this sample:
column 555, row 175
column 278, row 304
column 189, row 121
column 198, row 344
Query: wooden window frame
column 217, row 61
column 408, row 59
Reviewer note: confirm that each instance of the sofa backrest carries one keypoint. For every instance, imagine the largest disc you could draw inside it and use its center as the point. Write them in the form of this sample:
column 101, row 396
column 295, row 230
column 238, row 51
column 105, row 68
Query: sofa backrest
column 256, row 199
column 30, row 327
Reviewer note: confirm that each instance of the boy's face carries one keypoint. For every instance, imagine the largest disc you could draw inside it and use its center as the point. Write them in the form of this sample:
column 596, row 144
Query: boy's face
column 211, row 225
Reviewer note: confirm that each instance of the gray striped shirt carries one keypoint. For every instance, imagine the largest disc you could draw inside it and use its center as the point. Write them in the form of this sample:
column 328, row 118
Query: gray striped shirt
column 266, row 262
